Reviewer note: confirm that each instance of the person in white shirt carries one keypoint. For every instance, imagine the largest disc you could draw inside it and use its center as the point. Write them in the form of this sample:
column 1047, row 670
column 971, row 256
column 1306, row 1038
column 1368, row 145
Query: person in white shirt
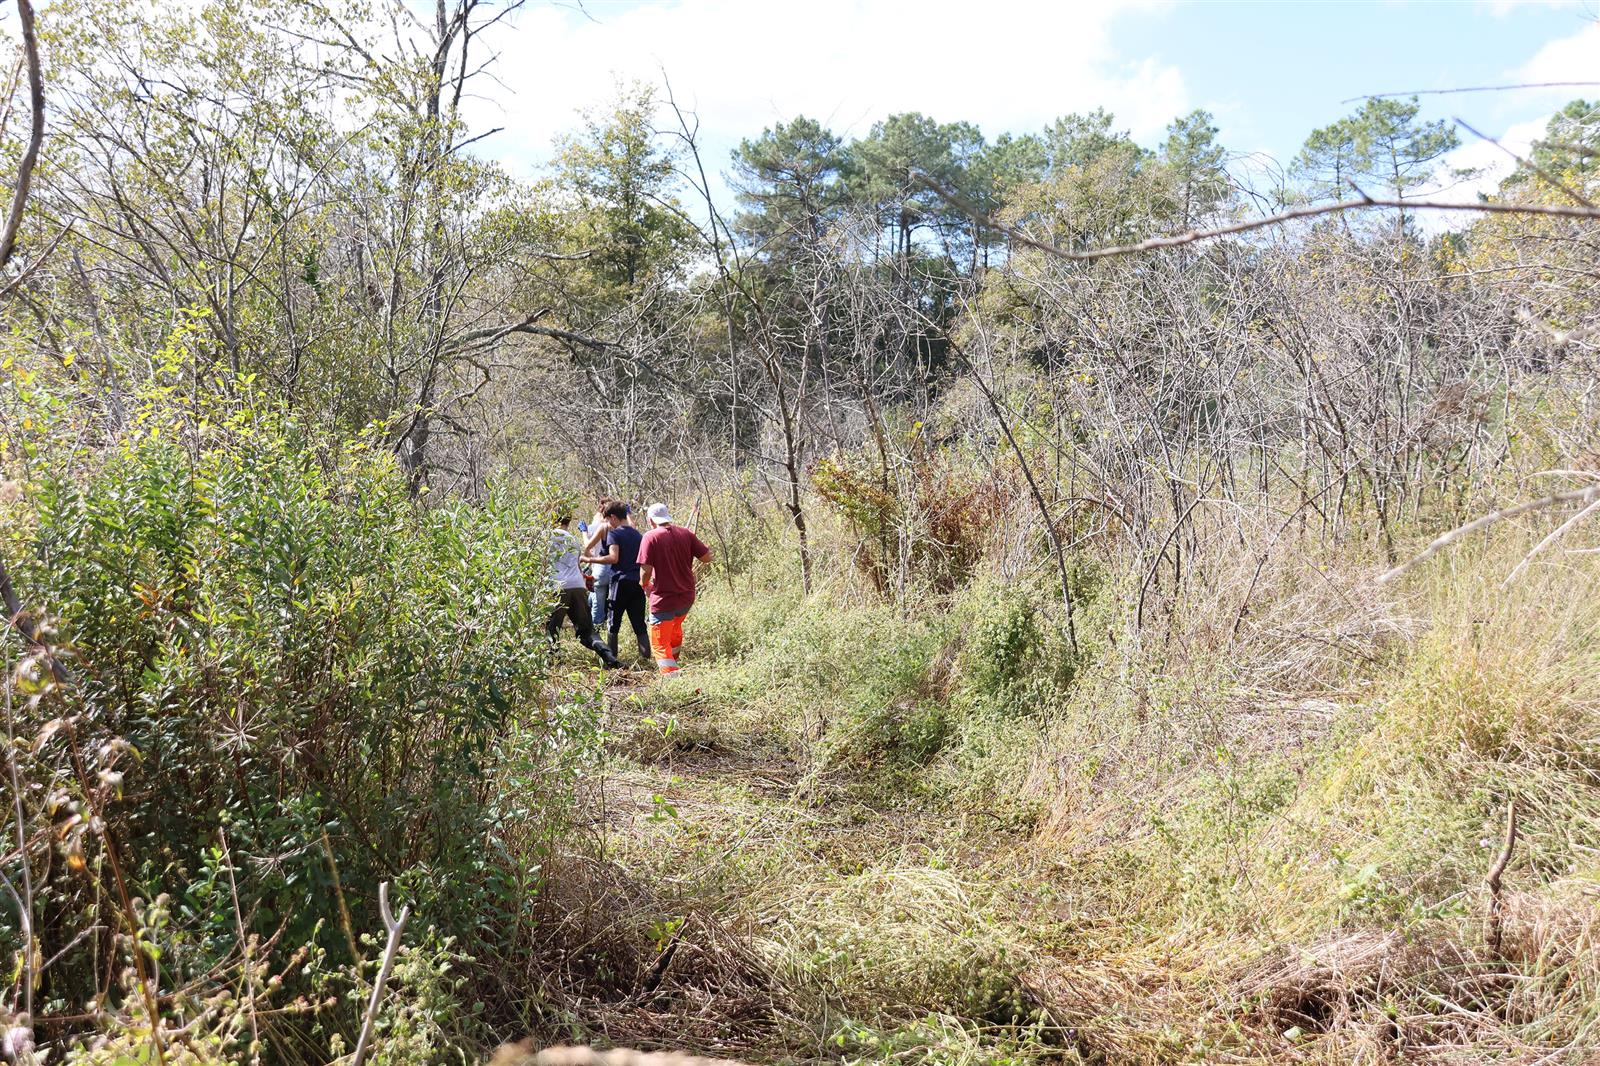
column 572, row 594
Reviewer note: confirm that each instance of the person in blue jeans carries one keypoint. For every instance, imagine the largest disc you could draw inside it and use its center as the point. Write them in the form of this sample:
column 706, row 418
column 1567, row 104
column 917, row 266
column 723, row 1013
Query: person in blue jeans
column 620, row 552
column 602, row 574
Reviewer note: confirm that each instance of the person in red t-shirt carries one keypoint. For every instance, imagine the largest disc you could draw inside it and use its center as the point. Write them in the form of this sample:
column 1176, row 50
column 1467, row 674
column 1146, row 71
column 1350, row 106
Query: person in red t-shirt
column 666, row 570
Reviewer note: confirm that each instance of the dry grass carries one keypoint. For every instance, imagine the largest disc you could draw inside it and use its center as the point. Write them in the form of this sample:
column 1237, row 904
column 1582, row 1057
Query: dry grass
column 627, row 965
column 1263, row 838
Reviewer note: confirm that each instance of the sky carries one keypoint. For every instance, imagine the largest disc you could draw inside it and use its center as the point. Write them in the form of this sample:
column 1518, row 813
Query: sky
column 1269, row 72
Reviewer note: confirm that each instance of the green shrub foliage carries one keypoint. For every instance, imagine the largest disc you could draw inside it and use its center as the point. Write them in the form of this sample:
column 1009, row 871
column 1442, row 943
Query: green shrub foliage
column 272, row 644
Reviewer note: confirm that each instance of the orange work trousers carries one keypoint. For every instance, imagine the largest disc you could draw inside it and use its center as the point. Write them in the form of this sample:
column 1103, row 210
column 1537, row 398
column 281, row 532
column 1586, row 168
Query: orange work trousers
column 666, row 640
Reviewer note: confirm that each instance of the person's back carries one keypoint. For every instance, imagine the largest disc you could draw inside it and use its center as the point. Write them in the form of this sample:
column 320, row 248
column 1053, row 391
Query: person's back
column 572, row 598
column 670, row 552
column 627, row 541
column 602, row 572
column 622, row 542
column 564, row 572
column 666, row 566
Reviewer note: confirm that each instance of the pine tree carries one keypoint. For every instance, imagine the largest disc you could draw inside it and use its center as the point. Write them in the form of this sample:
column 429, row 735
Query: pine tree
column 790, row 181
column 1193, row 158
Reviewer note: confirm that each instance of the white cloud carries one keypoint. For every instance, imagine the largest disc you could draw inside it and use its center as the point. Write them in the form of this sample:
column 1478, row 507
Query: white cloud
column 1565, row 59
column 742, row 66
column 1502, row 8
column 1572, row 58
column 1492, row 164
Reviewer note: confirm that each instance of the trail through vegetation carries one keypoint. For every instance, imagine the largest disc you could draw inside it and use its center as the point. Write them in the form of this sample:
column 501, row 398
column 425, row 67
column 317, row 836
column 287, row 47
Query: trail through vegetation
column 1152, row 616
column 991, row 886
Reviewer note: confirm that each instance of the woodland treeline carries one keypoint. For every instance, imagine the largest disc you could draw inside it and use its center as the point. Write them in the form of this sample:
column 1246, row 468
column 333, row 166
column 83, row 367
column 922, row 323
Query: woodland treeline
column 292, row 365
column 303, row 203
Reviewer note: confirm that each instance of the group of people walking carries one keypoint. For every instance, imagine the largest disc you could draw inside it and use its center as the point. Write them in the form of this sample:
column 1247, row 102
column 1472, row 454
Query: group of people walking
column 647, row 577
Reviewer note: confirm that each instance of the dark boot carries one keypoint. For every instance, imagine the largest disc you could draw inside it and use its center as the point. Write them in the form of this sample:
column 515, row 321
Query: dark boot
column 606, row 656
column 611, row 642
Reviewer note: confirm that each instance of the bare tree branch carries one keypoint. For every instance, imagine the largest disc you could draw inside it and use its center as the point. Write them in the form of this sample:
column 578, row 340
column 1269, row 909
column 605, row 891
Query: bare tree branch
column 1475, row 89
column 1177, row 240
column 30, row 157
column 1584, row 495
column 1544, row 175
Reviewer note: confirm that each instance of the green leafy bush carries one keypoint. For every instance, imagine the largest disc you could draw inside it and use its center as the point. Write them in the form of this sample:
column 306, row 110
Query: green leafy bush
column 1002, row 646
column 270, row 640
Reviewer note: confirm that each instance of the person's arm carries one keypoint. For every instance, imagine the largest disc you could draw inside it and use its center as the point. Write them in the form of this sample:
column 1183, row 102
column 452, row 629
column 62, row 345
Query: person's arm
column 647, row 573
column 608, row 559
column 600, row 530
column 702, row 553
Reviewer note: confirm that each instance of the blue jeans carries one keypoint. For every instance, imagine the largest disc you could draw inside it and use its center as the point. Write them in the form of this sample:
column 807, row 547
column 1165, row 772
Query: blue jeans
column 602, row 596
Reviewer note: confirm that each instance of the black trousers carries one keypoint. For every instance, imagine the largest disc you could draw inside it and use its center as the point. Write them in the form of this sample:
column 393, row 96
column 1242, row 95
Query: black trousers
column 574, row 604
column 627, row 597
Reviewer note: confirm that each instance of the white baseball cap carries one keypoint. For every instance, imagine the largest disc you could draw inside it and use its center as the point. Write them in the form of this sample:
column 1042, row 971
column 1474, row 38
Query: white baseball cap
column 658, row 514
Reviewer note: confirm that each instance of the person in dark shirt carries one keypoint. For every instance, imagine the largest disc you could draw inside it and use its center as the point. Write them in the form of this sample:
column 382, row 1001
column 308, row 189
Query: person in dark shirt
column 666, row 570
column 619, row 550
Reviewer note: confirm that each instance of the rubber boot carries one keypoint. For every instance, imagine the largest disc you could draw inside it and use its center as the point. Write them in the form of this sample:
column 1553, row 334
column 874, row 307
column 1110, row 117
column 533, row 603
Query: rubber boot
column 606, row 655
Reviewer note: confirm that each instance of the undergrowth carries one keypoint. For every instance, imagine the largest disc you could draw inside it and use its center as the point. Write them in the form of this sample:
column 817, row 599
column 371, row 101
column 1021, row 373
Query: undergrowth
column 1263, row 838
column 947, row 824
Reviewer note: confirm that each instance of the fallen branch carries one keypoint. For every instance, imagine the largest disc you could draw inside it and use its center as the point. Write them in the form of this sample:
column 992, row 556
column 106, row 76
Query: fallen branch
column 38, row 261
column 567, row 335
column 244, row 949
column 24, row 899
column 522, row 1054
column 1555, row 535
column 492, row 334
column 1585, row 495
column 1559, row 337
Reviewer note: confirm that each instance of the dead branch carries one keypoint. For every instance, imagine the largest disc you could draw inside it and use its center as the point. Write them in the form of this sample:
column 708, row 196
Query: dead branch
column 30, row 157
column 1047, row 520
column 522, row 1054
column 1554, row 535
column 1494, row 930
column 1474, row 89
column 24, row 899
column 1177, row 240
column 1585, row 495
column 1559, row 337
column 1544, row 175
column 395, row 927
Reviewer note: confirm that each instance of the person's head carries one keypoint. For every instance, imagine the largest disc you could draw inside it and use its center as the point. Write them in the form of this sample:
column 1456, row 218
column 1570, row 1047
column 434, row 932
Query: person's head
column 659, row 515
column 615, row 513
column 564, row 519
column 605, row 501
